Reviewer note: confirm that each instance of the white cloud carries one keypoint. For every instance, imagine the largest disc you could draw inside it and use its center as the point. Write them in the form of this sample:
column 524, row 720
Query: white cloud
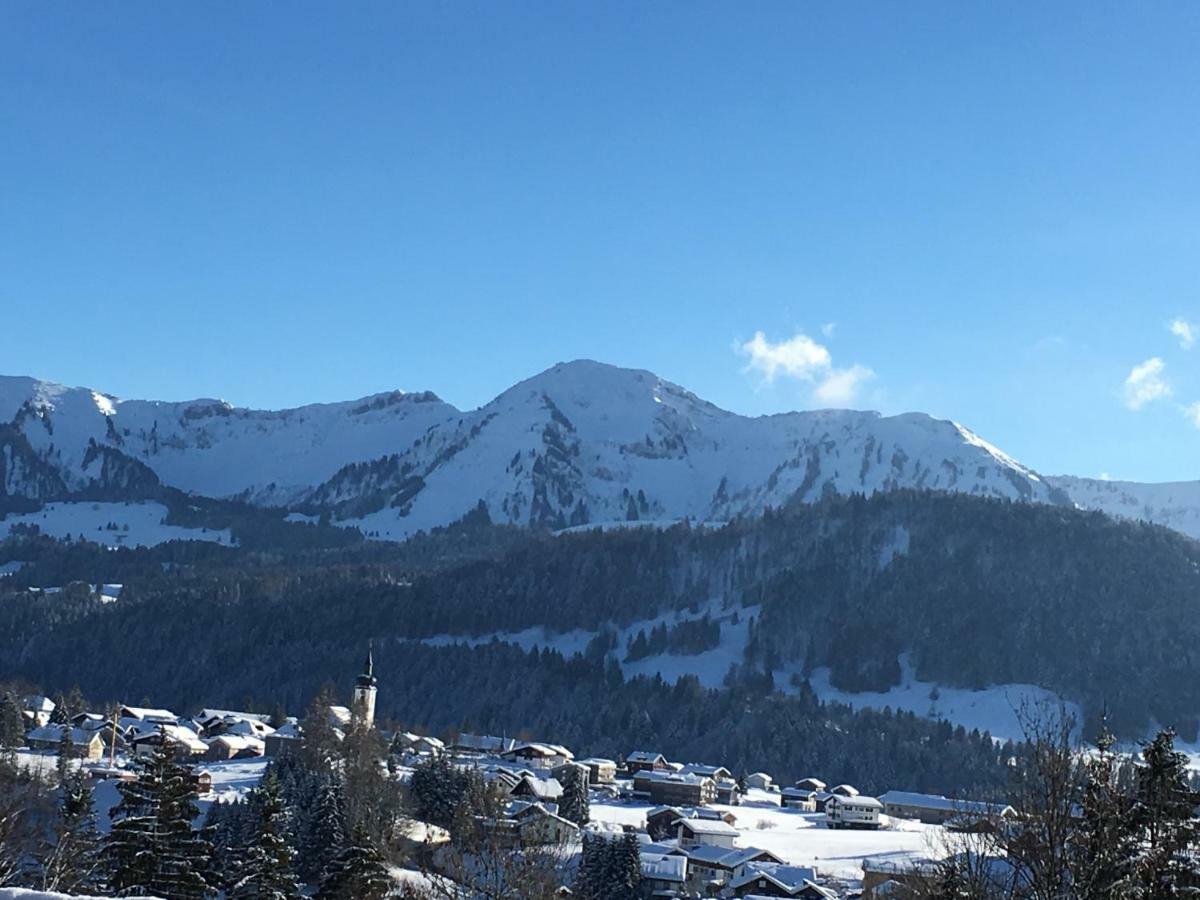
column 1104, row 476
column 1185, row 332
column 799, row 357
column 802, row 358
column 1191, row 412
column 841, row 386
column 828, row 329
column 1146, row 383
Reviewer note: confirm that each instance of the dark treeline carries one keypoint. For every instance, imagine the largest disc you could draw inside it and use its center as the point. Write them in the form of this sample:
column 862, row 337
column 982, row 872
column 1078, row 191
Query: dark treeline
column 978, row 592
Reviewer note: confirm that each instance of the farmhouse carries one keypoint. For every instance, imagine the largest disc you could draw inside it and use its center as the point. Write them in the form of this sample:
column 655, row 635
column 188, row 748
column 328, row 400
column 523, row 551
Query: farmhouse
column 934, row 809
column 716, row 866
column 541, row 755
column 705, row 833
column 798, row 798
column 772, row 880
column 600, row 771
column 852, row 812
column 644, row 761
column 84, row 744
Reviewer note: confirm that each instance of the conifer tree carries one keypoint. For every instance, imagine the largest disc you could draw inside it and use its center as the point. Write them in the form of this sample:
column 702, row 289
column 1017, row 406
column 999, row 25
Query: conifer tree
column 71, row 862
column 152, row 846
column 1164, row 814
column 12, row 723
column 66, row 753
column 573, row 804
column 325, row 836
column 267, row 873
column 359, row 872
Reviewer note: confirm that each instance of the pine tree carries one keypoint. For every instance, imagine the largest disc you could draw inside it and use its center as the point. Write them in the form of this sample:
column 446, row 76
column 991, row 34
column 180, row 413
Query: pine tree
column 66, row 753
column 12, row 723
column 152, row 846
column 71, row 862
column 1163, row 813
column 573, row 805
column 325, row 836
column 359, row 872
column 267, row 874
column 629, row 869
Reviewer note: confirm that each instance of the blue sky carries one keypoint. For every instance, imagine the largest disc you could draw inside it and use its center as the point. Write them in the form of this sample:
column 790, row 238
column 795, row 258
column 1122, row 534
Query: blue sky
column 986, row 211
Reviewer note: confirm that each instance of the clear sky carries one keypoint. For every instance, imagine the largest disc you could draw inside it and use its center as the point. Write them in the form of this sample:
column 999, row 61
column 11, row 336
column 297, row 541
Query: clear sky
column 985, row 211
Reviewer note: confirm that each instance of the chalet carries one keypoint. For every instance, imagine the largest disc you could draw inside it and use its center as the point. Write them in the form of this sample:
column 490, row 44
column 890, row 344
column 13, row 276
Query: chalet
column 233, row 746
column 600, row 771
column 716, row 773
column 84, row 744
column 711, row 868
column 706, row 833
column 844, row 790
column 645, row 761
column 545, row 756
column 937, row 810
column 486, row 744
column 811, row 784
column 798, row 798
column 184, row 741
column 539, row 825
column 148, row 715
column 728, row 792
column 420, row 744
column 207, row 719
column 663, row 874
column 852, row 812
column 283, row 740
column 674, row 789
column 38, row 710
column 772, row 880
column 202, row 781
column 760, row 781
column 821, row 799
column 880, row 877
column 242, row 727
column 540, row 790
column 662, row 821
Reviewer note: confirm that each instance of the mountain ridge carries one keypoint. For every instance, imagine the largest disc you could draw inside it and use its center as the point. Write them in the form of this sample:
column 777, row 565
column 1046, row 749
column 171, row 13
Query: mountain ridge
column 582, row 442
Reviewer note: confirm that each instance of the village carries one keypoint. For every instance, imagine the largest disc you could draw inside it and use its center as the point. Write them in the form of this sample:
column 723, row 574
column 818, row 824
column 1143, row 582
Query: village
column 702, row 830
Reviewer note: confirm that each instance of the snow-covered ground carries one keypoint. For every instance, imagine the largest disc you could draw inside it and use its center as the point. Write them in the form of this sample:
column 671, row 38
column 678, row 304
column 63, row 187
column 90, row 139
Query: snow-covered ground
column 138, row 524
column 22, row 894
column 994, row 709
column 801, row 838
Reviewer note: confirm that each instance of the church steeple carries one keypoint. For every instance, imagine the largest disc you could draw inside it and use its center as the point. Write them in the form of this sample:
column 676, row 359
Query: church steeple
column 364, row 691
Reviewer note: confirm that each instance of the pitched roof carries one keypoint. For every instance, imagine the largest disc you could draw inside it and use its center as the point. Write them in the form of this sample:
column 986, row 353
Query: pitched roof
column 707, row 826
column 938, row 802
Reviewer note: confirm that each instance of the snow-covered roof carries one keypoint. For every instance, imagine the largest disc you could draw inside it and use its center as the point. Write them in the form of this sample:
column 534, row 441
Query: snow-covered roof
column 790, row 879
column 179, row 734
column 237, row 742
column 856, row 802
column 147, row 713
column 54, row 733
column 664, row 866
column 645, row 756
column 938, row 802
column 39, row 704
column 726, row 858
column 708, row 826
column 208, row 715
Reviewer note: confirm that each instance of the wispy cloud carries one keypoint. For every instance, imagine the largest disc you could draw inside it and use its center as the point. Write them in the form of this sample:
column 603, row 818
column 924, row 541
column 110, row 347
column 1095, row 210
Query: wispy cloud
column 1184, row 331
column 828, row 329
column 1191, row 412
column 1146, row 383
column 803, row 359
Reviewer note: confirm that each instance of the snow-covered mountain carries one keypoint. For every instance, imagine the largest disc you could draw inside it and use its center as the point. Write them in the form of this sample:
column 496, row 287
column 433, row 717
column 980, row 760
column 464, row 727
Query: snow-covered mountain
column 582, row 442
column 1175, row 504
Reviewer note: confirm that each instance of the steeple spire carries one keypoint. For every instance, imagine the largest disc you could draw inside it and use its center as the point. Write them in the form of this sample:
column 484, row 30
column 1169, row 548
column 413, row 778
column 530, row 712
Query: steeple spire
column 367, row 678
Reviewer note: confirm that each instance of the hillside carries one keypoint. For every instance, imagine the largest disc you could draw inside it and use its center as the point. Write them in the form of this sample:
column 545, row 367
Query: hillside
column 970, row 592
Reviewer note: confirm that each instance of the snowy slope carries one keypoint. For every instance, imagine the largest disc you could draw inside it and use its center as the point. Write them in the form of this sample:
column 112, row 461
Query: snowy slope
column 582, row 442
column 1173, row 504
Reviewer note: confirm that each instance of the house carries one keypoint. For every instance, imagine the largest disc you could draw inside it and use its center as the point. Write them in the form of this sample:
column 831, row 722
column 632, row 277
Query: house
column 798, row 798
column 821, row 799
column 185, row 742
column 880, row 877
column 759, row 781
column 423, row 745
column 852, row 812
column 716, row 773
column 149, row 715
column 544, row 756
column 645, row 761
column 202, row 781
column 711, row 868
column 482, row 744
column 283, row 740
column 233, row 746
column 934, row 809
column 811, row 784
column 208, row 718
column 844, row 790
column 539, row 826
column 705, row 832
column 84, row 744
column 600, row 771
column 673, row 789
column 662, row 821
column 38, row 710
column 663, row 874
column 540, row 790
column 728, row 792
column 772, row 880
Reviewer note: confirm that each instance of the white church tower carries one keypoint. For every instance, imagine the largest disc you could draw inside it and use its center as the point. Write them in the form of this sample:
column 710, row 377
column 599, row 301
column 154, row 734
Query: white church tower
column 363, row 707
